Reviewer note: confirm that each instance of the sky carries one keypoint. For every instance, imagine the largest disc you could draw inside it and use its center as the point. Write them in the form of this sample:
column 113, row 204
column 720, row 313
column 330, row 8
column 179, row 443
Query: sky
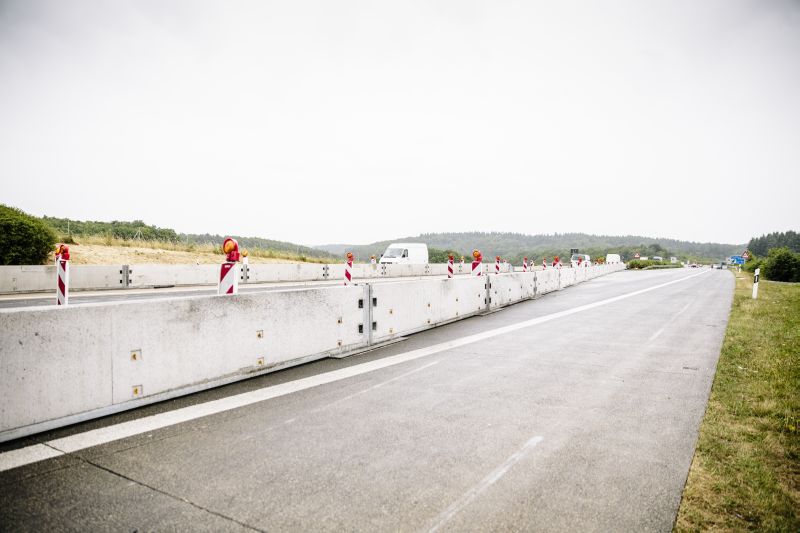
column 350, row 122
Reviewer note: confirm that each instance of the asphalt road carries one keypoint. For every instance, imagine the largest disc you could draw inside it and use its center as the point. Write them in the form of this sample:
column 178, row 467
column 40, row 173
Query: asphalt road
column 586, row 421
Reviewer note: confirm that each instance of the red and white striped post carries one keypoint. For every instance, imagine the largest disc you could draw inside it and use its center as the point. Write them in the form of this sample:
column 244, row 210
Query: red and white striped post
column 348, row 268
column 450, row 266
column 477, row 264
column 245, row 257
column 524, row 264
column 544, row 264
column 62, row 274
column 372, row 260
column 497, row 264
column 228, row 275
column 556, row 262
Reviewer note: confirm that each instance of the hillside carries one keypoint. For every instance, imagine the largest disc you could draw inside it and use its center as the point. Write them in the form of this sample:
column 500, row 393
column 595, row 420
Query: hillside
column 516, row 245
column 137, row 230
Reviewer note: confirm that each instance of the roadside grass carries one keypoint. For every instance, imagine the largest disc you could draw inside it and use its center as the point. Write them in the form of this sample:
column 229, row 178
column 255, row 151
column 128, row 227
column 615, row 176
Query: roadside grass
column 745, row 475
column 207, row 248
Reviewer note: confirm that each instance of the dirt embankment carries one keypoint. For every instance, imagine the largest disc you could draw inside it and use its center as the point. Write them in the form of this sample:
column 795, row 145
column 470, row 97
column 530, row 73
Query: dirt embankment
column 96, row 254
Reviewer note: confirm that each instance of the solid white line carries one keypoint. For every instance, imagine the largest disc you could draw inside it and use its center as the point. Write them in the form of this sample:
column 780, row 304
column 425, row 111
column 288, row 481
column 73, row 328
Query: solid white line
column 26, row 456
column 484, row 484
column 123, row 430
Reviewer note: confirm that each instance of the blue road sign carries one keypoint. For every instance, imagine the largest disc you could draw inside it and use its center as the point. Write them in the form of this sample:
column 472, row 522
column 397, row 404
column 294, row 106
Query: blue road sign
column 737, row 259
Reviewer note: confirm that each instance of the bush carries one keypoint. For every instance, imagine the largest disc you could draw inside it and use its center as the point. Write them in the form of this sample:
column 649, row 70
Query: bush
column 782, row 265
column 752, row 264
column 24, row 240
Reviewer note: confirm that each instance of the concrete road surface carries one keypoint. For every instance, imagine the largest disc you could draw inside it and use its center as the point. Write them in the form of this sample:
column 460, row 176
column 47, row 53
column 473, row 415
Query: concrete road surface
column 575, row 412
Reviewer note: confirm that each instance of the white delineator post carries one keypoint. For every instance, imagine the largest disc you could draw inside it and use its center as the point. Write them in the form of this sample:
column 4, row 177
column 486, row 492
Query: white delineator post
column 348, row 269
column 524, row 264
column 756, row 275
column 450, row 267
column 228, row 273
column 62, row 275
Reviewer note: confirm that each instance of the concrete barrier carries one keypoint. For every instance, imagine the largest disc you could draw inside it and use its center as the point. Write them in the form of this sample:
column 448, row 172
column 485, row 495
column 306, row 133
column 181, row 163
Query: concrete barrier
column 405, row 307
column 61, row 365
column 547, row 281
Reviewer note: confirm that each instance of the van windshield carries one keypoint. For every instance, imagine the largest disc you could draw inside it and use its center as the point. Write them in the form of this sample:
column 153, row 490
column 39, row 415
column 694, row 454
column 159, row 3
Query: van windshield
column 576, row 257
column 394, row 252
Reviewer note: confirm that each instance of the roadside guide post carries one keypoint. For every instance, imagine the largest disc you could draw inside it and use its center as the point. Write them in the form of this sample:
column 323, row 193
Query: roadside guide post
column 756, row 275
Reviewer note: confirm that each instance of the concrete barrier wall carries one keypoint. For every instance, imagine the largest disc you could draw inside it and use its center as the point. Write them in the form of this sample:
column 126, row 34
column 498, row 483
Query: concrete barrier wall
column 41, row 278
column 61, row 365
column 37, row 278
column 546, row 281
column 407, row 306
column 262, row 273
column 57, row 363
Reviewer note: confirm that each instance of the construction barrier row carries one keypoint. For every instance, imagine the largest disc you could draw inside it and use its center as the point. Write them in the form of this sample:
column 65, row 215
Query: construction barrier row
column 61, row 365
column 40, row 278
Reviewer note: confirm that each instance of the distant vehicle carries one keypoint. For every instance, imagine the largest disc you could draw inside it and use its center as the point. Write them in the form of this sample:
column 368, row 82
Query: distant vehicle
column 582, row 259
column 613, row 258
column 643, row 259
column 407, row 253
column 657, row 258
column 693, row 265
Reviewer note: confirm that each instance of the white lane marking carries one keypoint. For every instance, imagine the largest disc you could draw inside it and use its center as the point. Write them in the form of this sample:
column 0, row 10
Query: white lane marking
column 258, row 434
column 26, row 456
column 146, row 424
column 376, row 386
column 484, row 484
column 655, row 335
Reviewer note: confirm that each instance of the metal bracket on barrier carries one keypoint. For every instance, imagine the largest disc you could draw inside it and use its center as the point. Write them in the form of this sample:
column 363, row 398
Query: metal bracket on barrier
column 124, row 277
column 427, row 269
column 370, row 302
column 245, row 274
column 383, row 269
column 325, row 271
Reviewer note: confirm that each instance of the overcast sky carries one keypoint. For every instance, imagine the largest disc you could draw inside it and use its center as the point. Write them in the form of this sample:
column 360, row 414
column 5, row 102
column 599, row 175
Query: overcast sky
column 320, row 122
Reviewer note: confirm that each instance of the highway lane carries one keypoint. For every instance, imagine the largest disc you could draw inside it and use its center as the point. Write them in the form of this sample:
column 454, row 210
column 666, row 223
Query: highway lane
column 583, row 417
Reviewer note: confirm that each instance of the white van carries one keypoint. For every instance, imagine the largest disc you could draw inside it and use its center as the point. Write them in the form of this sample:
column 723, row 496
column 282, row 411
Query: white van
column 409, row 253
column 580, row 259
column 612, row 259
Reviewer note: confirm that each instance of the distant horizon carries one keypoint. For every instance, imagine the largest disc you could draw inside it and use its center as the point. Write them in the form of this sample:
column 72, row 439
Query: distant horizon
column 397, row 238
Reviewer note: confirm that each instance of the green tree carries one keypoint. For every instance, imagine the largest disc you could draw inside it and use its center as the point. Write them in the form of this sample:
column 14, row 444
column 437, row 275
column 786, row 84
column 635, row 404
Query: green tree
column 782, row 265
column 24, row 240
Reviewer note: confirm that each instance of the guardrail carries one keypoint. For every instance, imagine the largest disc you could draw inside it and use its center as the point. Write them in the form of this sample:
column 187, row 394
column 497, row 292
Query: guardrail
column 61, row 365
column 41, row 278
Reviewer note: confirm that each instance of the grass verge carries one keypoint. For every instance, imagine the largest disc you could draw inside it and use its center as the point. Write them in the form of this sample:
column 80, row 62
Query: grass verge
column 745, row 475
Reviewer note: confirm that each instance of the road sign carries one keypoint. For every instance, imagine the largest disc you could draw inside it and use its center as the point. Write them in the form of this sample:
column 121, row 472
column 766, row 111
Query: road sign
column 737, row 259
column 746, row 255
column 637, row 255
